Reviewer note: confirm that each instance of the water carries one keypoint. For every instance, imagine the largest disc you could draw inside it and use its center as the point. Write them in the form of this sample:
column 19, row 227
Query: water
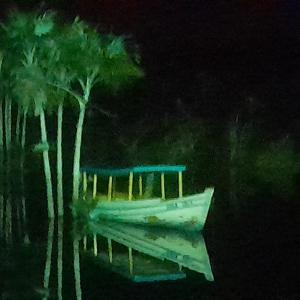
column 252, row 256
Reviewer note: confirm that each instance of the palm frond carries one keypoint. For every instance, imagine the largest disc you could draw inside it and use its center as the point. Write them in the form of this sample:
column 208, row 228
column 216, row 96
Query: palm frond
column 44, row 24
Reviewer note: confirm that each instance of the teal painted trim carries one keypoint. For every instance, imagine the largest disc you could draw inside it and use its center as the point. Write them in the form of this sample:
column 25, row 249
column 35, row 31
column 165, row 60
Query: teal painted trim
column 136, row 170
column 158, row 277
column 106, row 172
column 159, row 168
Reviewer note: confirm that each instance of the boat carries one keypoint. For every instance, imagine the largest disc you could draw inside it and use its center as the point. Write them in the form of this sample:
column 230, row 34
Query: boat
column 159, row 253
column 185, row 212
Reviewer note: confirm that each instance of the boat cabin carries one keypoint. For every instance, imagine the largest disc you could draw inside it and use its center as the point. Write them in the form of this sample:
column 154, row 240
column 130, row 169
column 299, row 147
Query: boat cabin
column 110, row 177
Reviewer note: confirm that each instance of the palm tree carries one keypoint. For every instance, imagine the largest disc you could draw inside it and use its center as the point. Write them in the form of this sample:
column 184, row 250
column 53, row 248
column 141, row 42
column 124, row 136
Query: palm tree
column 73, row 61
column 89, row 59
column 25, row 35
column 57, row 104
column 53, row 69
column 35, row 98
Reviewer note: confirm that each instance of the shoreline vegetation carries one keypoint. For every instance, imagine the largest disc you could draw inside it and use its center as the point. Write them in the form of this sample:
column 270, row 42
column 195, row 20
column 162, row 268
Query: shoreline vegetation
column 47, row 66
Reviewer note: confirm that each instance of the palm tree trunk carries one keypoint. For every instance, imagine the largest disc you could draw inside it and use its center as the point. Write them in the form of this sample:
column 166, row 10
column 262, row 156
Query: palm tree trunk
column 234, row 160
column 8, row 220
column 60, row 203
column 8, row 122
column 47, row 169
column 47, row 270
column 1, row 172
column 23, row 138
column 22, row 161
column 76, row 163
column 60, row 228
column 18, row 126
column 1, row 215
column 1, row 126
column 8, row 207
column 1, row 195
column 77, row 268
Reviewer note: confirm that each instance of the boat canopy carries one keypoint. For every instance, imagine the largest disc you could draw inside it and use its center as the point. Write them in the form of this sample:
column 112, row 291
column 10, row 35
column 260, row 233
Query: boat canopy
column 135, row 170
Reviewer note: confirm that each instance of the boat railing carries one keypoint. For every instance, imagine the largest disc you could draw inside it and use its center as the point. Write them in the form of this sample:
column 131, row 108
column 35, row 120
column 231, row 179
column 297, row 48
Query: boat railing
column 140, row 171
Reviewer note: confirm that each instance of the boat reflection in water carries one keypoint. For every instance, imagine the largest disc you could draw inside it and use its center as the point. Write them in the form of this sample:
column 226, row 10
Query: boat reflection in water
column 167, row 251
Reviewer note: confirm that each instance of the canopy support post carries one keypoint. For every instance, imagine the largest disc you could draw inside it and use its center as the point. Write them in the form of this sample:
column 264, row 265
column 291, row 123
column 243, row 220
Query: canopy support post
column 95, row 245
column 113, row 193
column 140, row 185
column 162, row 182
column 94, row 186
column 109, row 188
column 130, row 258
column 85, row 243
column 84, row 183
column 109, row 250
column 130, row 186
column 180, row 184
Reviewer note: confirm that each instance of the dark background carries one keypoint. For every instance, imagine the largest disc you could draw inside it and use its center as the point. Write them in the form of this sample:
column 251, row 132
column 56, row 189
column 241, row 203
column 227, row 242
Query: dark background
column 206, row 63
column 209, row 58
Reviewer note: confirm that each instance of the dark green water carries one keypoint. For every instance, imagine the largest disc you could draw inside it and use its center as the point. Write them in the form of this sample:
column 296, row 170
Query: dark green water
column 251, row 238
column 253, row 255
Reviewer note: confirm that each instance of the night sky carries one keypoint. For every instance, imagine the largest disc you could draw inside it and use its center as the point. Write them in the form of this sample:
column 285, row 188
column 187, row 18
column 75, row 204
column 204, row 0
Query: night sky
column 207, row 55
column 212, row 55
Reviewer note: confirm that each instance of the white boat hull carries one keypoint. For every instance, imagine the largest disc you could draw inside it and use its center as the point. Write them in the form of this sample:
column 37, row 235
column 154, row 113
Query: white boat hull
column 189, row 212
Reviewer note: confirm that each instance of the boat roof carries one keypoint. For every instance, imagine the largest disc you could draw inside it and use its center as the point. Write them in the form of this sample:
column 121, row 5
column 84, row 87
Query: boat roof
column 136, row 170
